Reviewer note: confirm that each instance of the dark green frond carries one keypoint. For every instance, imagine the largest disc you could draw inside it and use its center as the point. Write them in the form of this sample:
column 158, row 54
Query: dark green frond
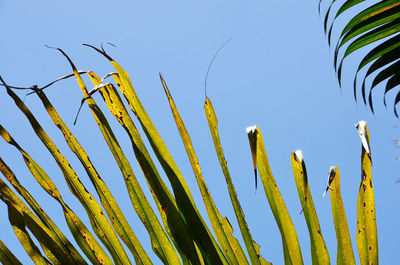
column 377, row 28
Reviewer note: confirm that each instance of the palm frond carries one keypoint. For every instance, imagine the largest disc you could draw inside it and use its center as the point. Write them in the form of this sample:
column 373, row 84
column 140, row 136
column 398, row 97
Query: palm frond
column 376, row 27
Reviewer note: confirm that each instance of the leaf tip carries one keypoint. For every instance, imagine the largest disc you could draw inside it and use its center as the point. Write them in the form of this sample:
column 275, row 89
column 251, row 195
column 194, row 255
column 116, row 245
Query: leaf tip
column 299, row 155
column 251, row 129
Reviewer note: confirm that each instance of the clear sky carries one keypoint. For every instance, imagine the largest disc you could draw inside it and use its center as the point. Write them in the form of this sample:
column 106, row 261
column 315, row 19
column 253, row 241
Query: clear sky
column 276, row 72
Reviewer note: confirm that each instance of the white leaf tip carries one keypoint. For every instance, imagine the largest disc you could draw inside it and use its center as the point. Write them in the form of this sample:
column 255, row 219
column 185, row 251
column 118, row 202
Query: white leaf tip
column 361, row 130
column 251, row 129
column 299, row 155
column 361, row 123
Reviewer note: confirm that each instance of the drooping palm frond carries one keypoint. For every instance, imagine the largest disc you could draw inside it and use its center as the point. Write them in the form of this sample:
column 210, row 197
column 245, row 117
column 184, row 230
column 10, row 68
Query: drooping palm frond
column 378, row 25
column 179, row 234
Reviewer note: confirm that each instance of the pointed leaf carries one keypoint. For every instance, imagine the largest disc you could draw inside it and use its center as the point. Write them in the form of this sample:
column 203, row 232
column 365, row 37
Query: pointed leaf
column 221, row 226
column 319, row 252
column 367, row 236
column 252, row 250
column 290, row 242
column 345, row 253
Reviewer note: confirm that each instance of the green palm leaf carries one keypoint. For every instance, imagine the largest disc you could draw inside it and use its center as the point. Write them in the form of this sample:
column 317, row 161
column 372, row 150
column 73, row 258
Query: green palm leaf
column 378, row 28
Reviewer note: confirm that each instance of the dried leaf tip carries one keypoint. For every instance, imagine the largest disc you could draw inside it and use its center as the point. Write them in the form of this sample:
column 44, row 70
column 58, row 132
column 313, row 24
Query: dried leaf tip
column 362, row 132
column 360, row 124
column 299, row 155
column 251, row 129
column 331, row 176
column 252, row 135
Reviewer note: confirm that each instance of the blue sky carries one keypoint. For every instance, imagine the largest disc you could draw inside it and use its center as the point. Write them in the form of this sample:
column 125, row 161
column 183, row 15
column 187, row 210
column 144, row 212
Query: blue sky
column 276, row 72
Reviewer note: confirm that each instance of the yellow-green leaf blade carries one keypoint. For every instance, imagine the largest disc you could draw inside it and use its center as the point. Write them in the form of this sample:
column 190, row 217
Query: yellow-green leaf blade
column 255, row 258
column 183, row 197
column 319, row 252
column 221, row 226
column 82, row 235
column 367, row 235
column 6, row 256
column 93, row 209
column 183, row 234
column 290, row 242
column 60, row 247
column 47, row 239
column 16, row 218
column 115, row 214
column 163, row 248
column 345, row 253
